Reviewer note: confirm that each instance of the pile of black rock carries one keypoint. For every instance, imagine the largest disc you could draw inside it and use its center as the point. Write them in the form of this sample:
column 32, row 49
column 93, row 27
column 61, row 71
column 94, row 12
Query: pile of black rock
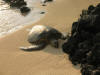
column 83, row 45
column 49, row 0
column 20, row 4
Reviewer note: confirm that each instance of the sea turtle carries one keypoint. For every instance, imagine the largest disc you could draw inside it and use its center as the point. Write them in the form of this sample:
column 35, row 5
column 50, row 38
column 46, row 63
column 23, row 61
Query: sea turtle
column 42, row 35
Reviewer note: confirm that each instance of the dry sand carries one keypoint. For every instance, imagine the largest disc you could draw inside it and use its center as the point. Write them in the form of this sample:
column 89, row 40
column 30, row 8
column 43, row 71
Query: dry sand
column 50, row 61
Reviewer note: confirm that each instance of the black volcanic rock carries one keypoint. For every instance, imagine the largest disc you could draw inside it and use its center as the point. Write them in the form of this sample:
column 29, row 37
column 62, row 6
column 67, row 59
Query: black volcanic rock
column 20, row 4
column 83, row 46
column 24, row 10
column 49, row 0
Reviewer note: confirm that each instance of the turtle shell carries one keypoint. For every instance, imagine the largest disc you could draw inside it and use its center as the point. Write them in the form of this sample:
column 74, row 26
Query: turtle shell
column 38, row 33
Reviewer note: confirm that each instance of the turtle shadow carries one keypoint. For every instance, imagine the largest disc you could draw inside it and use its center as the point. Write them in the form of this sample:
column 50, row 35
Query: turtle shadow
column 51, row 50
column 56, row 51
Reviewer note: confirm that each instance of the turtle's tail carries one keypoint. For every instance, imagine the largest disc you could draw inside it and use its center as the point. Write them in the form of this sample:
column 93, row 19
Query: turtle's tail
column 34, row 47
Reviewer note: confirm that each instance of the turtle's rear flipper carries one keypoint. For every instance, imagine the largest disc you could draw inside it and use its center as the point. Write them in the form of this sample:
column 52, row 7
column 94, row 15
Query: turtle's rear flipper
column 34, row 47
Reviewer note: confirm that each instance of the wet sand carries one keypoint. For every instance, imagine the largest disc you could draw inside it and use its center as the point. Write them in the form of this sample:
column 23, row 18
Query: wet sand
column 49, row 61
column 12, row 19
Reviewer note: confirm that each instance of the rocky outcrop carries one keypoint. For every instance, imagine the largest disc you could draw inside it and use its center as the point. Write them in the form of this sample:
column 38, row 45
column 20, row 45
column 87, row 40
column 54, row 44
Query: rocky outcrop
column 19, row 4
column 83, row 46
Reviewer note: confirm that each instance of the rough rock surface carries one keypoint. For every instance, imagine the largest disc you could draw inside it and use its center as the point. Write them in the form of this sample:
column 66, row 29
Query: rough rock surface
column 20, row 4
column 83, row 46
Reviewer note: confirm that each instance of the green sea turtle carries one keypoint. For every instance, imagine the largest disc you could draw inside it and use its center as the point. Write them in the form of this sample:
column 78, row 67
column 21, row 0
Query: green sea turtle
column 40, row 36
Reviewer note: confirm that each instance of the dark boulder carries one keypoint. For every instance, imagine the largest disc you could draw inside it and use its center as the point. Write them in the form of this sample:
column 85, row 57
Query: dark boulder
column 49, row 0
column 24, row 10
column 83, row 46
column 19, row 4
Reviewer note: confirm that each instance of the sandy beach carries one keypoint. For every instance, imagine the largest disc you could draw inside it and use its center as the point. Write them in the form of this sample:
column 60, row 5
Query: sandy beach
column 49, row 61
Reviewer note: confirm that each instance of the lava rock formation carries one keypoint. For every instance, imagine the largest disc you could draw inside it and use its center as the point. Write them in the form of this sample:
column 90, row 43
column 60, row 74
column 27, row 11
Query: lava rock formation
column 83, row 45
column 20, row 4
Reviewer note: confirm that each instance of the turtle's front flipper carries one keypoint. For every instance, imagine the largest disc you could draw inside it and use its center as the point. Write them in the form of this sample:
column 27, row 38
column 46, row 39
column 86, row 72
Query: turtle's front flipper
column 34, row 47
column 54, row 43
